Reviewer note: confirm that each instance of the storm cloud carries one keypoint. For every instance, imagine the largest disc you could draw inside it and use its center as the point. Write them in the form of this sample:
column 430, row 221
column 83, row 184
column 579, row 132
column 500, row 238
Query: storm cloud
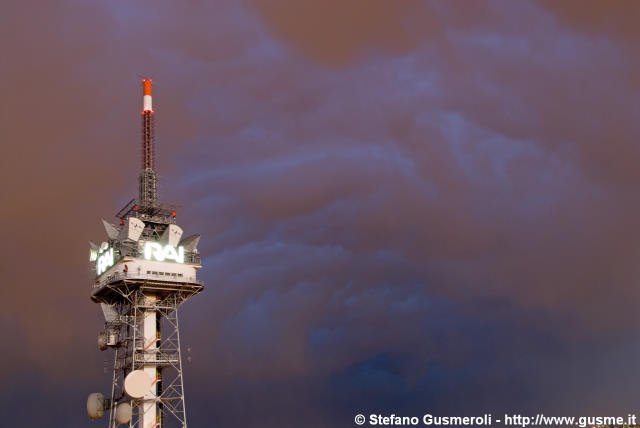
column 405, row 207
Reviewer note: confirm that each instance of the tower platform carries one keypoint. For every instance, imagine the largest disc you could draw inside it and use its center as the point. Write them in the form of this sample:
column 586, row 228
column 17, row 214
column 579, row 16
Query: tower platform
column 119, row 285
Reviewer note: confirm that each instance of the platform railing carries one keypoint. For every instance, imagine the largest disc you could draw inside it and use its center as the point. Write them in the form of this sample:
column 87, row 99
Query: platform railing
column 118, row 276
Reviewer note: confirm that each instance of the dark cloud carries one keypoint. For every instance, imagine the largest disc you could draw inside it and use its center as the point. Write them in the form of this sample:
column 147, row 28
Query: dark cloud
column 336, row 32
column 617, row 18
column 404, row 207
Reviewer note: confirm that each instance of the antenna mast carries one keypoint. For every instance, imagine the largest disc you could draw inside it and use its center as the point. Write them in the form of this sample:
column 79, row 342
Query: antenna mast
column 148, row 180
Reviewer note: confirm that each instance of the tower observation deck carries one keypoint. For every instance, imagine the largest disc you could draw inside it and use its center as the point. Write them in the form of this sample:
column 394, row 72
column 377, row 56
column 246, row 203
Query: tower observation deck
column 144, row 270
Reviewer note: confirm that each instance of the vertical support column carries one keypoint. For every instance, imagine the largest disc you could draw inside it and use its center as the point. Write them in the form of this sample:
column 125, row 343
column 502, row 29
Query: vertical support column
column 148, row 411
column 182, row 401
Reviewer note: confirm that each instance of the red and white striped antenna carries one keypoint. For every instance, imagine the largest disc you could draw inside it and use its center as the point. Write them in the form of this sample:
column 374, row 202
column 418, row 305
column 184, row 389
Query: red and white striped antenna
column 148, row 180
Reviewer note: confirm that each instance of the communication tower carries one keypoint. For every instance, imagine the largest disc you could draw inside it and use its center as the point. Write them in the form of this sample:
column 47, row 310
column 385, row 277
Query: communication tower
column 144, row 270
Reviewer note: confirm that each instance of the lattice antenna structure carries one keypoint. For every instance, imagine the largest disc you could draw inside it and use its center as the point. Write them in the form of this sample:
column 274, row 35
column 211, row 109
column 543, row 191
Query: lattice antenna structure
column 148, row 181
column 144, row 270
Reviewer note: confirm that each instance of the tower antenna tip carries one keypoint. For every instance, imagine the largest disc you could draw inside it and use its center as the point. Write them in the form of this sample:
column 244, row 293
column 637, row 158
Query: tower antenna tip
column 146, row 86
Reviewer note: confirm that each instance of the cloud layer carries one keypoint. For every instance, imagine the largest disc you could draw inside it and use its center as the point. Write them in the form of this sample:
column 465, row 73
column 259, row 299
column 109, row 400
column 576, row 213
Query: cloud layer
column 404, row 207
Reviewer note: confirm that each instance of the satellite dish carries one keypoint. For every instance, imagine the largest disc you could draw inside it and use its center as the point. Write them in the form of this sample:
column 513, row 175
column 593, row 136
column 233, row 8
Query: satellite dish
column 137, row 384
column 102, row 341
column 123, row 413
column 95, row 405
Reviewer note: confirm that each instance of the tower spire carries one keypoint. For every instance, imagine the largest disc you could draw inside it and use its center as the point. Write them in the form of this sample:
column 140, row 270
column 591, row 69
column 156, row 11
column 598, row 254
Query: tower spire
column 148, row 180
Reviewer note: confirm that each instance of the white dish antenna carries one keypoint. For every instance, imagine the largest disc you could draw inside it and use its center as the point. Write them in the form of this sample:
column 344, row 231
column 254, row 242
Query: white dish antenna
column 123, row 413
column 95, row 405
column 137, row 384
column 102, row 341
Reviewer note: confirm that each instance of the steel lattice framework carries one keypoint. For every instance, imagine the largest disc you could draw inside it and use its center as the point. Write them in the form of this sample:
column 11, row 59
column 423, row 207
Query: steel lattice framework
column 131, row 298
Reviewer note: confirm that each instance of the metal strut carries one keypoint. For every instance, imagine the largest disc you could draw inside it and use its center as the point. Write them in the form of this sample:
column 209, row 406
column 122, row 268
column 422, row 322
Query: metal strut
column 148, row 180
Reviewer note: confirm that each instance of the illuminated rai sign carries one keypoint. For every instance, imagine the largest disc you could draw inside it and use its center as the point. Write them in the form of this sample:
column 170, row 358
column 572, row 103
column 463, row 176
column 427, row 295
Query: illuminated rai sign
column 155, row 251
column 104, row 260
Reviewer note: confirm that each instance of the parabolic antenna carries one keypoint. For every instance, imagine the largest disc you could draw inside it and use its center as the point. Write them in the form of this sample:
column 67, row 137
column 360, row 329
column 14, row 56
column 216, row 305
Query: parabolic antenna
column 102, row 341
column 95, row 405
column 137, row 384
column 123, row 413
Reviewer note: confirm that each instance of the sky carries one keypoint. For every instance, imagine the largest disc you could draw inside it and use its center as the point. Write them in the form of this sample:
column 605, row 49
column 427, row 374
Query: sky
column 405, row 207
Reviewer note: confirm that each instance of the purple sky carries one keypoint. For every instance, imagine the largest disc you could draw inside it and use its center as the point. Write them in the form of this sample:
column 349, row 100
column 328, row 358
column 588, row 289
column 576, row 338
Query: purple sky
column 405, row 207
